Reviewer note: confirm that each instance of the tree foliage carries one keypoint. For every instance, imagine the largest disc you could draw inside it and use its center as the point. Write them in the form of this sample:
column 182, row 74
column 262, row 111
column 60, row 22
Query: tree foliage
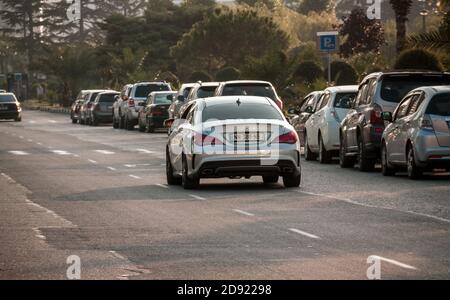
column 401, row 9
column 434, row 40
column 361, row 34
column 342, row 73
column 227, row 74
column 317, row 6
column 418, row 59
column 307, row 72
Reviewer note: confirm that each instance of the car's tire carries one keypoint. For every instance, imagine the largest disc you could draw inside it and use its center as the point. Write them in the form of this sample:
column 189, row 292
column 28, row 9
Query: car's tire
column 94, row 121
column 386, row 168
column 18, row 119
column 188, row 182
column 141, row 128
column 414, row 172
column 270, row 179
column 149, row 128
column 365, row 164
column 115, row 123
column 121, row 122
column 324, row 155
column 292, row 180
column 171, row 179
column 128, row 125
column 307, row 151
column 344, row 160
column 74, row 121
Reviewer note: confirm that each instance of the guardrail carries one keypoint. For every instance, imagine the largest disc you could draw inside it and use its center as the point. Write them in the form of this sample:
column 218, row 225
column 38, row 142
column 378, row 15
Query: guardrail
column 61, row 110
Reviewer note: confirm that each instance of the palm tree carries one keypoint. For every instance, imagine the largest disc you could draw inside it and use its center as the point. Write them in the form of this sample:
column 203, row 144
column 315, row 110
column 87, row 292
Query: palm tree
column 401, row 9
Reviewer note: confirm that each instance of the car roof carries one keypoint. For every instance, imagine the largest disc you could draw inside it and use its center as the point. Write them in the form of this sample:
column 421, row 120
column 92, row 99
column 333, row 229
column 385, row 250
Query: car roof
column 8, row 94
column 150, row 82
column 109, row 92
column 232, row 99
column 163, row 92
column 246, row 81
column 433, row 89
column 209, row 83
column 187, row 85
column 342, row 88
column 405, row 72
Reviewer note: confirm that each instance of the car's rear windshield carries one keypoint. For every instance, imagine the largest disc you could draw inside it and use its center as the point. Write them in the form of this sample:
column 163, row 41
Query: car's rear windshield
column 249, row 89
column 343, row 99
column 394, row 88
column 162, row 99
column 7, row 98
column 107, row 98
column 186, row 91
column 206, row 91
column 242, row 111
column 439, row 105
column 142, row 91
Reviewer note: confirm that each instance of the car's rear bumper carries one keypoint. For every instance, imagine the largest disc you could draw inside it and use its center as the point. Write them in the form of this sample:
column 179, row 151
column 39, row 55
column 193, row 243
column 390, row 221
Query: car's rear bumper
column 157, row 121
column 9, row 115
column 372, row 139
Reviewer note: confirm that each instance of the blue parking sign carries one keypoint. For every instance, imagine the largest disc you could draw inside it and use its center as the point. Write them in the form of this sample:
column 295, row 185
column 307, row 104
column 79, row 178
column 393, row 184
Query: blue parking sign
column 328, row 41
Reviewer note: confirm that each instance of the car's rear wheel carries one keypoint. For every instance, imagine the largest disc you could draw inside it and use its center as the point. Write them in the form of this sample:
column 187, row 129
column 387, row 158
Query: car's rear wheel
column 292, row 180
column 148, row 127
column 270, row 179
column 121, row 122
column 128, row 125
column 141, row 128
column 74, row 121
column 18, row 119
column 386, row 169
column 188, row 182
column 365, row 163
column 324, row 155
column 171, row 179
column 414, row 172
column 115, row 123
column 308, row 154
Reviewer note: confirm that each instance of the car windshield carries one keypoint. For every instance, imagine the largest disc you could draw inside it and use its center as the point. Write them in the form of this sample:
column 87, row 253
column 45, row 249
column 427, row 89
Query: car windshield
column 93, row 96
column 206, row 91
column 262, row 90
column 439, row 105
column 7, row 98
column 142, row 91
column 162, row 99
column 342, row 100
column 228, row 111
column 107, row 98
column 395, row 88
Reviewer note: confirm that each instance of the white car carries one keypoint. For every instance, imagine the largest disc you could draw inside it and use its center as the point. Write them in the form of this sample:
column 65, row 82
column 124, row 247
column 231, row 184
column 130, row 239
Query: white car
column 233, row 136
column 321, row 134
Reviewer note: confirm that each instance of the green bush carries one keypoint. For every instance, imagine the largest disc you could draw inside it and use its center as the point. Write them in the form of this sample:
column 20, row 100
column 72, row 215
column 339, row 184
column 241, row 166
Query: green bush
column 227, row 74
column 418, row 59
column 342, row 73
column 307, row 72
column 200, row 76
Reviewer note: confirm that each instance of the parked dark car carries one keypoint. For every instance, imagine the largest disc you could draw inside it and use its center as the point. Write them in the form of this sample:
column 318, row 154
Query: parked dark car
column 102, row 108
column 302, row 113
column 155, row 111
column 10, row 107
column 361, row 129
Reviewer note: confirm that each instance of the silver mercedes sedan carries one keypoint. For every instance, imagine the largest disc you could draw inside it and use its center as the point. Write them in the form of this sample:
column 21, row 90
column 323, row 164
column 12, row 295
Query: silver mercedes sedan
column 418, row 136
column 234, row 137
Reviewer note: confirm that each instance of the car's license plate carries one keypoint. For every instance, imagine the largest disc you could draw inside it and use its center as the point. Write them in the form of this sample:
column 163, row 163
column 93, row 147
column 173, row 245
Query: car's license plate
column 249, row 136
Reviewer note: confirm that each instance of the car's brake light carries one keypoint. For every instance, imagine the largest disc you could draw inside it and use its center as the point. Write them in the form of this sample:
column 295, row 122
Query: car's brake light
column 426, row 123
column 131, row 102
column 375, row 115
column 287, row 138
column 206, row 140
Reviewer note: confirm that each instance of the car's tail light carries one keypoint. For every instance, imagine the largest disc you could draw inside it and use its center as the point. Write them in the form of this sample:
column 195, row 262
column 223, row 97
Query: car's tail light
column 375, row 115
column 131, row 102
column 279, row 103
column 426, row 123
column 287, row 138
column 206, row 140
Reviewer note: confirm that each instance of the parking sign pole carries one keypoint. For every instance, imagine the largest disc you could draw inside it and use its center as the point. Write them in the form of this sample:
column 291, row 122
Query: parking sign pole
column 329, row 67
column 327, row 43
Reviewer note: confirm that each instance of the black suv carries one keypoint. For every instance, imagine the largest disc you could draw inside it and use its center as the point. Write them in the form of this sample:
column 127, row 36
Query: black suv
column 361, row 130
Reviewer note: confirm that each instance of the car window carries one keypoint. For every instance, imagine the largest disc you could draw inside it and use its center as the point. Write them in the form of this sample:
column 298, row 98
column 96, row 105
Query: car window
column 402, row 110
column 394, row 88
column 371, row 91
column 324, row 101
column 439, row 105
column 343, row 98
column 7, row 98
column 249, row 89
column 186, row 92
column 93, row 96
column 415, row 103
column 186, row 111
column 161, row 99
column 234, row 110
column 206, row 91
column 142, row 91
column 109, row 98
column 361, row 94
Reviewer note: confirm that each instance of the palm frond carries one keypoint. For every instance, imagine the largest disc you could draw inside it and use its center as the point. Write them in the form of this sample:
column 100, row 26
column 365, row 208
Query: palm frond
column 433, row 40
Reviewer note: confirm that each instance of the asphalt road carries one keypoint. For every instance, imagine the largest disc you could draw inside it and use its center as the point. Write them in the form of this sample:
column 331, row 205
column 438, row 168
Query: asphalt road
column 100, row 193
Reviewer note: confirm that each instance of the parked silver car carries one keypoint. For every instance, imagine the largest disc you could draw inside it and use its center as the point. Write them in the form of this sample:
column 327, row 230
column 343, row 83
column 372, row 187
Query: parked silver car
column 233, row 136
column 180, row 99
column 418, row 136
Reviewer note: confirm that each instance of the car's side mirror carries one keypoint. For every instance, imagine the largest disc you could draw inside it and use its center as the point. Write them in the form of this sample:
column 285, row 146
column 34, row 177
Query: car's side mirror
column 386, row 116
column 180, row 98
column 170, row 97
column 309, row 109
column 292, row 111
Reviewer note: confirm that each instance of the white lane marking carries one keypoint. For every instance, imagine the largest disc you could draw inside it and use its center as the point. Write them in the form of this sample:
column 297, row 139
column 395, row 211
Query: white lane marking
column 114, row 253
column 18, row 152
column 21, row 137
column 197, row 197
column 92, row 161
column 130, row 166
column 52, row 121
column 242, row 212
column 39, row 233
column 112, row 169
column 145, row 151
column 38, row 143
column 8, row 178
column 30, row 140
column 76, row 155
column 162, row 185
column 379, row 207
column 61, row 152
column 31, row 122
column 394, row 262
column 104, row 151
column 134, row 176
column 49, row 147
column 304, row 233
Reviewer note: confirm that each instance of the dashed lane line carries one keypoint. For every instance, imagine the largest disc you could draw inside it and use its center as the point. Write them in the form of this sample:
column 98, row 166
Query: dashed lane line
column 304, row 233
column 243, row 212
